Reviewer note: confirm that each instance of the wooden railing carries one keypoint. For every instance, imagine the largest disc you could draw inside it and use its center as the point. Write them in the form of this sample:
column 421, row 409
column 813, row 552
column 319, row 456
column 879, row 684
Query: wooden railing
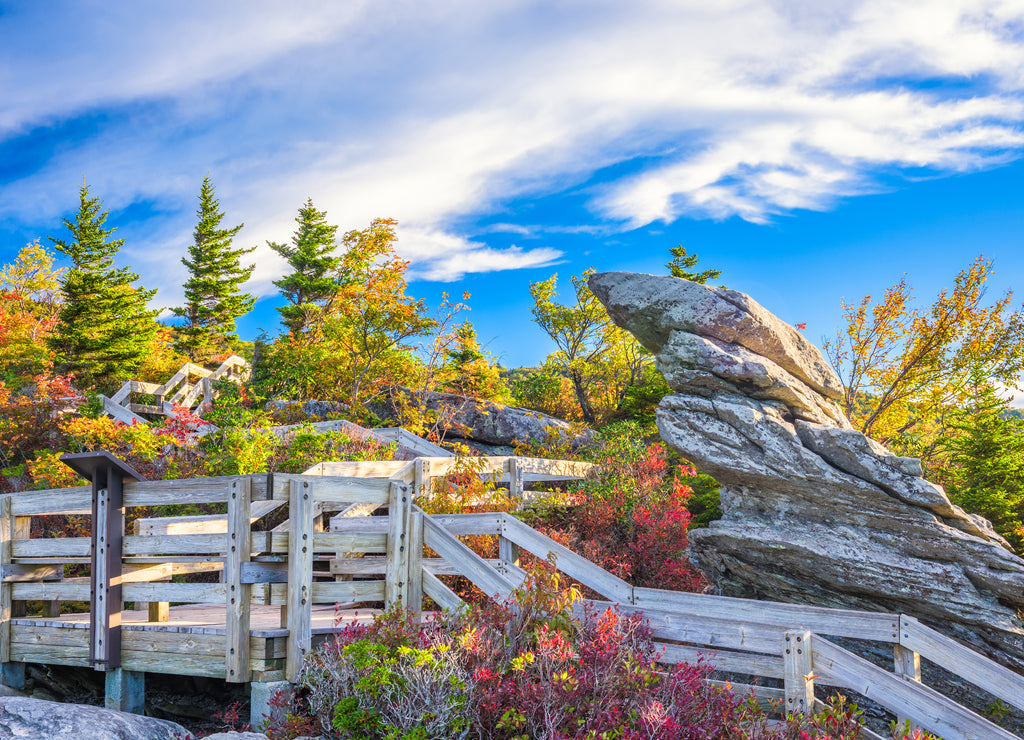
column 752, row 638
column 404, row 558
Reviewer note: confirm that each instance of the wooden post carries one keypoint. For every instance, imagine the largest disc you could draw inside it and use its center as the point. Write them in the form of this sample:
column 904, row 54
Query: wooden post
column 107, row 474
column 125, row 691
column 6, row 535
column 515, row 481
column 396, row 578
column 421, row 477
column 22, row 531
column 239, row 595
column 907, row 665
column 415, row 577
column 798, row 673
column 300, row 575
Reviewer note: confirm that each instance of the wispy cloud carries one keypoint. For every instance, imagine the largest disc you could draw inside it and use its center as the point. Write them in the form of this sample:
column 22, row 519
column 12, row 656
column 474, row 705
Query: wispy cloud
column 441, row 113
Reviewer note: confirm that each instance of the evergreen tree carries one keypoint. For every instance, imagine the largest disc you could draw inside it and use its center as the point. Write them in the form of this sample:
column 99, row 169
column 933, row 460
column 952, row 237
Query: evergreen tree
column 985, row 468
column 682, row 264
column 213, row 297
column 311, row 284
column 104, row 329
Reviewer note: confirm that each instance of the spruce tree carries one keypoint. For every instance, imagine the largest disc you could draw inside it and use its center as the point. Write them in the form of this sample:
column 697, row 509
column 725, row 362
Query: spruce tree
column 104, row 329
column 311, row 283
column 213, row 297
column 682, row 263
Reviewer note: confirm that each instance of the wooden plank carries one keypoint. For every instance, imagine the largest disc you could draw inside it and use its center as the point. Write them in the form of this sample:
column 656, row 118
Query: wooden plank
column 175, row 544
column 415, row 563
column 264, row 573
column 32, row 634
column 962, row 661
column 515, row 479
column 55, row 591
column 566, row 560
column 51, row 654
column 179, row 376
column 155, row 641
column 239, row 594
column 397, row 571
column 443, row 596
column 182, row 664
column 489, row 523
column 566, row 469
column 300, row 575
column 144, row 408
column 469, row 564
column 328, row 592
column 57, row 547
column 332, row 489
column 362, row 469
column 120, row 413
column 767, row 696
column 18, row 573
column 122, row 393
column 820, row 620
column 715, row 632
column 6, row 595
column 191, row 593
column 754, row 664
column 183, row 491
column 200, row 524
column 359, row 525
column 798, row 675
column 923, row 705
column 76, row 500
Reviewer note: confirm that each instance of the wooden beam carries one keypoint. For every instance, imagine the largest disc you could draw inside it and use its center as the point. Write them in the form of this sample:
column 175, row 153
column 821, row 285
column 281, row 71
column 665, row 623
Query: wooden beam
column 798, row 675
column 239, row 594
column 300, row 576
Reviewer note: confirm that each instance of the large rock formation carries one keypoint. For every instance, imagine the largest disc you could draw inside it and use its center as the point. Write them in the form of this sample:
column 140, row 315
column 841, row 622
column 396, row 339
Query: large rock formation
column 813, row 511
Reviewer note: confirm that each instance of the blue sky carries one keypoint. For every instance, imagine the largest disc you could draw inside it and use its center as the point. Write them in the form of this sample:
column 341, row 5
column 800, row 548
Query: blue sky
column 812, row 150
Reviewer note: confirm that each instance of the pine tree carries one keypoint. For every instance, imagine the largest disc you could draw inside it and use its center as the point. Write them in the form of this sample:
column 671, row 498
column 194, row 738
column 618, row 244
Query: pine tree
column 984, row 472
column 682, row 263
column 104, row 328
column 213, row 297
column 311, row 256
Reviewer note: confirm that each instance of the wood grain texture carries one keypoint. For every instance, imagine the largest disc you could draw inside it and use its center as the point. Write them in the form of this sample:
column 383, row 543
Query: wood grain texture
column 238, row 594
column 300, row 575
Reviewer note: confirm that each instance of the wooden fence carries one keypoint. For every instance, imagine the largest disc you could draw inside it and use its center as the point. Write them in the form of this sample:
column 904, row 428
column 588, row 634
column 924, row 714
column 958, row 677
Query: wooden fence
column 403, row 558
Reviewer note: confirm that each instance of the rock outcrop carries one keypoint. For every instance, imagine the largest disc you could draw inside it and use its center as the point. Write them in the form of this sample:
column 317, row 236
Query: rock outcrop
column 33, row 718
column 495, row 424
column 813, row 511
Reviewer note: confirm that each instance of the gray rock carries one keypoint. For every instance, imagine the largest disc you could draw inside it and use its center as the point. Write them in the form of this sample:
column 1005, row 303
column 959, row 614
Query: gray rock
column 238, row 736
column 47, row 720
column 813, row 511
column 495, row 424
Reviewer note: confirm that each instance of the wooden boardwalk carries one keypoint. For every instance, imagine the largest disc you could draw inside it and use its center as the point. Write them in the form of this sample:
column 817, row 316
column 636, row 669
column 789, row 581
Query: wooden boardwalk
column 277, row 589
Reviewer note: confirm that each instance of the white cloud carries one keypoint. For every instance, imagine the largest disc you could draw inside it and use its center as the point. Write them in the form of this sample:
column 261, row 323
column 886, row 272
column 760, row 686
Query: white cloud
column 437, row 113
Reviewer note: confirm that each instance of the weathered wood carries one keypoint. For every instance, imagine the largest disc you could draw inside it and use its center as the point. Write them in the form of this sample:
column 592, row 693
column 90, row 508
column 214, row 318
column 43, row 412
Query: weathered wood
column 51, row 654
column 125, row 691
column 767, row 696
column 300, row 575
column 264, row 573
column 567, row 469
column 6, row 595
column 715, row 632
column 397, row 573
column 923, row 705
column 183, row 664
column 414, row 602
column 105, row 579
column 239, row 594
column 363, row 469
column 120, row 413
column 906, row 663
column 158, row 611
column 963, row 661
column 32, row 634
column 52, row 501
column 57, row 547
column 798, row 670
column 175, row 544
column 57, row 590
column 754, row 664
column 471, row 565
column 566, row 560
column 443, row 596
column 203, row 523
column 515, row 479
column 18, row 573
column 332, row 489
column 186, row 593
column 824, row 621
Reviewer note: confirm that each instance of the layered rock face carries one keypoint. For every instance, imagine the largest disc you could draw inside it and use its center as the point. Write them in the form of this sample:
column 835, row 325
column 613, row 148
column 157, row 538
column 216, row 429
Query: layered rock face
column 814, row 512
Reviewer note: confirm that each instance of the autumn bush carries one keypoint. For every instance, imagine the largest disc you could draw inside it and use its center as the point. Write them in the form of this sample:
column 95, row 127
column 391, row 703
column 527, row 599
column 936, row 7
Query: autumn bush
column 631, row 517
column 524, row 670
